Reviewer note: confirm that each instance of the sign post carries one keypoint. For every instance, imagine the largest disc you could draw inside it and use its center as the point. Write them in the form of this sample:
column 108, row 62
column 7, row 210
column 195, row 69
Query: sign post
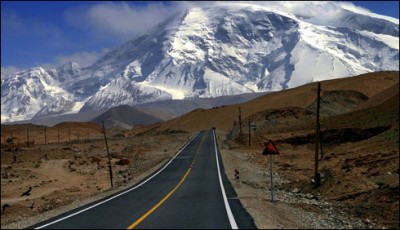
column 271, row 178
column 270, row 150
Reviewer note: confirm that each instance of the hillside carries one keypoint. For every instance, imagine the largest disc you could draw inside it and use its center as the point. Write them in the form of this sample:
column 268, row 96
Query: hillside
column 223, row 117
column 124, row 116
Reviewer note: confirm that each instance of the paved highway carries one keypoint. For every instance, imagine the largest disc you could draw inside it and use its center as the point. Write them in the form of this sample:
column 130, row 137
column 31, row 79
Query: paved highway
column 190, row 192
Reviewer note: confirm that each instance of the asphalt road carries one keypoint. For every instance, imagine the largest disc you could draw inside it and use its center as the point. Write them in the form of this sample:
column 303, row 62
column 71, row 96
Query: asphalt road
column 189, row 192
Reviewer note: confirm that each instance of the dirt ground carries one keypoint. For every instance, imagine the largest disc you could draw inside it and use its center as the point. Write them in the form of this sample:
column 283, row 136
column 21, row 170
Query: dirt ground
column 68, row 175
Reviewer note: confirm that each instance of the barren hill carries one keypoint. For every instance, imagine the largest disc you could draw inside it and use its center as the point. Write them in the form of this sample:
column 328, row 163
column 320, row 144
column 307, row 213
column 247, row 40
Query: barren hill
column 223, row 117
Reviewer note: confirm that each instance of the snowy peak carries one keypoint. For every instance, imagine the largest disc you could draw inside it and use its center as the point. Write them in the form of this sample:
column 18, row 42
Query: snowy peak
column 26, row 93
column 222, row 49
column 67, row 71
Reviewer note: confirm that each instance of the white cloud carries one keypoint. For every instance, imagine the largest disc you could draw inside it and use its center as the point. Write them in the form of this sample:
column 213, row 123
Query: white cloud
column 8, row 70
column 357, row 9
column 84, row 59
column 123, row 21
column 11, row 22
column 120, row 19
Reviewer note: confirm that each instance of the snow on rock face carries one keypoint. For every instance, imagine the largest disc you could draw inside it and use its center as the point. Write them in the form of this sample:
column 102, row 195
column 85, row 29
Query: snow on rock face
column 26, row 93
column 123, row 91
column 224, row 49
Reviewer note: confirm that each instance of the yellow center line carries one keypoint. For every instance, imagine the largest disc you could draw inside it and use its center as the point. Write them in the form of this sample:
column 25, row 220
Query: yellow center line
column 159, row 203
column 148, row 213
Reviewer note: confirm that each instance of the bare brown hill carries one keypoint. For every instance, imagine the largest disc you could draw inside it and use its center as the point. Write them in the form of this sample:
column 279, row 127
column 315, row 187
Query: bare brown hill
column 223, row 117
column 381, row 97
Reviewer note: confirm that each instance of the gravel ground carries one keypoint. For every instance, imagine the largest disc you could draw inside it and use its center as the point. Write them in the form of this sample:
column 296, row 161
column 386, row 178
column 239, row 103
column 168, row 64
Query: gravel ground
column 291, row 209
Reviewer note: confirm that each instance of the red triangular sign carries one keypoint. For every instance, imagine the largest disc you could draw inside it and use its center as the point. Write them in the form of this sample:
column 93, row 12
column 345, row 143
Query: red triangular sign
column 270, row 149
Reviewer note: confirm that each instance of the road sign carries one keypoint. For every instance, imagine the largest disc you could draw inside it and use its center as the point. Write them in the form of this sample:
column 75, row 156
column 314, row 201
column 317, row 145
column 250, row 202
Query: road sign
column 270, row 149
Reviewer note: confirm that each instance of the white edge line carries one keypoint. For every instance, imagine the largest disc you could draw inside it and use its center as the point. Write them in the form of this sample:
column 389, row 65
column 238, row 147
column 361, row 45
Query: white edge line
column 227, row 207
column 113, row 197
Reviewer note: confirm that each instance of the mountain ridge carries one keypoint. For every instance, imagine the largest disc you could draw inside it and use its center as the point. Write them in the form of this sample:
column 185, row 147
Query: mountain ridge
column 198, row 53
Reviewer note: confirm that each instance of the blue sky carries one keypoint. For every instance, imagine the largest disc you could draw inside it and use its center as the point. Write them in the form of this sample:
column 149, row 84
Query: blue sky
column 48, row 34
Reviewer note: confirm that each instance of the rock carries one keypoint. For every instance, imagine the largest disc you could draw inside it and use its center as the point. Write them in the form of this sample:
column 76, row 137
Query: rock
column 123, row 161
column 295, row 190
column 117, row 155
column 95, row 160
column 309, row 196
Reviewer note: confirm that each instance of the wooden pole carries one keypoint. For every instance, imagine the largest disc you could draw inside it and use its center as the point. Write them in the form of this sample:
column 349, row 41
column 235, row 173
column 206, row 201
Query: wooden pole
column 320, row 141
column 271, row 177
column 108, row 154
column 316, row 173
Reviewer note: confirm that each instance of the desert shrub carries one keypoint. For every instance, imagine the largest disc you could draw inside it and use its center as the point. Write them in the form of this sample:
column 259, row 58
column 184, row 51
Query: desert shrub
column 380, row 183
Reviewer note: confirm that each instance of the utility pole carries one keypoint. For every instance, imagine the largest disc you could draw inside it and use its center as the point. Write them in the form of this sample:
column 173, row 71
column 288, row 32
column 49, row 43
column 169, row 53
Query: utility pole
column 249, row 133
column 317, row 178
column 240, row 121
column 320, row 141
column 108, row 154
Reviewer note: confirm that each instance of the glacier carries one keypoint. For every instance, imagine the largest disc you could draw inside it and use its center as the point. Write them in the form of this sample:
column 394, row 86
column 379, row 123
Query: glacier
column 226, row 49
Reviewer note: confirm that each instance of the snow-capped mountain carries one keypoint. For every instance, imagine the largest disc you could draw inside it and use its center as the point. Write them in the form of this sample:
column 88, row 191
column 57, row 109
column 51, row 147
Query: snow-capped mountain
column 36, row 92
column 225, row 49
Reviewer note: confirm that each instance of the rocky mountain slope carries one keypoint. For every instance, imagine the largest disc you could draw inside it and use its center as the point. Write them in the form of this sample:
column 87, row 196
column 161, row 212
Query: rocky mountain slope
column 226, row 49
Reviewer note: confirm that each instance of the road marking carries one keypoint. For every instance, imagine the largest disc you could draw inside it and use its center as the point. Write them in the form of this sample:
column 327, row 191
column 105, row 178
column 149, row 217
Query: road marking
column 159, row 203
column 122, row 193
column 138, row 221
column 227, row 207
